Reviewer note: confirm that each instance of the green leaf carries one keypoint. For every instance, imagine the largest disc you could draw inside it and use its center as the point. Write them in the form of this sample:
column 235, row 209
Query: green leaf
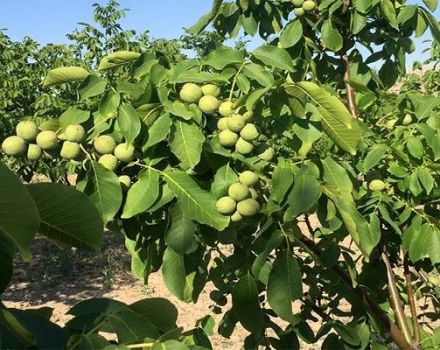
column 415, row 147
column 92, row 86
column 330, row 36
column 180, row 235
column 158, row 131
column 63, row 75
column 223, row 57
column 142, row 194
column 19, row 217
column 6, row 263
column 129, row 122
column 246, row 305
column 203, row 22
column 285, row 286
column 259, row 73
column 104, row 190
column 73, row 116
column 336, row 120
column 389, row 12
column 425, row 179
column 274, row 56
column 117, row 59
column 336, row 178
column 374, row 157
column 305, row 192
column 193, row 76
column 159, row 311
column 108, row 107
column 422, row 241
column 197, row 204
column 186, row 142
column 432, row 4
column 432, row 22
column 224, row 177
column 174, row 274
column 68, row 216
column 16, row 328
column 291, row 34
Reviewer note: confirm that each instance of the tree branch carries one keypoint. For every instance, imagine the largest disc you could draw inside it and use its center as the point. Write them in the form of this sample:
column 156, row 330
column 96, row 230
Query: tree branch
column 351, row 99
column 411, row 299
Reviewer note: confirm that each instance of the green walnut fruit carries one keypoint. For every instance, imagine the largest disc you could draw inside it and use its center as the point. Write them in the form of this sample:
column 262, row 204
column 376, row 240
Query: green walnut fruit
column 124, row 152
column 248, row 207
column 62, row 136
column 226, row 109
column 254, row 194
column 244, row 147
column 248, row 178
column 267, row 154
column 299, row 12
column 104, row 144
column 70, row 150
column 236, row 217
column 391, row 123
column 249, row 132
column 27, row 130
column 190, row 93
column 376, row 185
column 75, row 133
column 209, row 104
column 226, row 205
column 248, row 116
column 14, row 146
column 407, row 119
column 236, row 123
column 211, row 90
column 228, row 138
column 309, row 5
column 222, row 124
column 47, row 140
column 238, row 191
column 34, row 152
column 297, row 3
column 109, row 161
column 125, row 181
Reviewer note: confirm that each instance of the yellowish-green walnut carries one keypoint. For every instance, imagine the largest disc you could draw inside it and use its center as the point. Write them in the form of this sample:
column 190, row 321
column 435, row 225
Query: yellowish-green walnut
column 227, row 138
column 125, row 181
column 254, row 194
column 47, row 140
column 109, row 161
column 376, row 185
column 267, row 154
column 34, row 152
column 75, row 133
column 226, row 205
column 391, row 123
column 222, row 124
column 297, row 3
column 190, row 93
column 236, row 123
column 309, row 5
column 238, row 191
column 299, row 12
column 244, row 147
column 226, row 109
column 407, row 119
column 248, row 116
column 14, row 146
column 248, row 207
column 211, row 90
column 236, row 217
column 104, row 144
column 27, row 130
column 62, row 136
column 248, row 178
column 209, row 104
column 249, row 132
column 70, row 150
column 124, row 152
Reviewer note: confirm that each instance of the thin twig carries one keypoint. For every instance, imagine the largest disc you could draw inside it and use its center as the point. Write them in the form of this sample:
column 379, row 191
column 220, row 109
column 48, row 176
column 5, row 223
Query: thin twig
column 412, row 299
column 351, row 99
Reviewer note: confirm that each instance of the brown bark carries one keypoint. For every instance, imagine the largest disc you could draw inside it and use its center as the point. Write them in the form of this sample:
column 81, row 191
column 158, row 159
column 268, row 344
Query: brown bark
column 351, row 98
column 412, row 301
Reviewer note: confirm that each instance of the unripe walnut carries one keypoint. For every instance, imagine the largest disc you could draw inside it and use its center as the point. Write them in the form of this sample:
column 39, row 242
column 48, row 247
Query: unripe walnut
column 222, row 124
column 248, row 207
column 236, row 123
column 299, row 12
column 124, row 152
column 226, row 109
column 248, row 116
column 238, row 191
column 14, row 146
column 27, row 130
column 211, row 90
column 47, row 140
column 248, row 178
column 109, row 161
column 267, row 153
column 309, row 5
column 209, row 104
column 236, row 217
column 249, row 132
column 244, row 147
column 376, row 185
column 70, row 150
column 34, row 152
column 190, row 93
column 228, row 138
column 125, row 181
column 226, row 205
column 407, row 119
column 75, row 133
column 297, row 3
column 104, row 144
